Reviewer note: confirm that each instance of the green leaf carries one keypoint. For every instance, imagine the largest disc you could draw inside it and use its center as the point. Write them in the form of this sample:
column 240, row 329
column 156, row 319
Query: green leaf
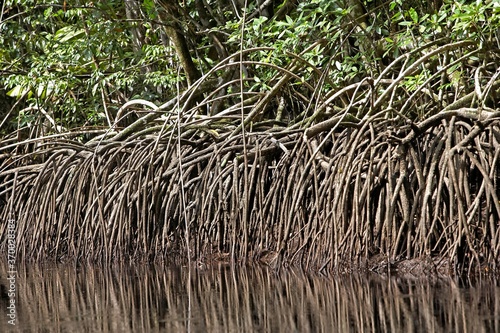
column 398, row 16
column 413, row 14
column 68, row 33
column 17, row 91
column 41, row 91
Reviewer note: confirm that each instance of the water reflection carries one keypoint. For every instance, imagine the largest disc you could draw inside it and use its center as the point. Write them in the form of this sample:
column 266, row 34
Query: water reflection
column 157, row 299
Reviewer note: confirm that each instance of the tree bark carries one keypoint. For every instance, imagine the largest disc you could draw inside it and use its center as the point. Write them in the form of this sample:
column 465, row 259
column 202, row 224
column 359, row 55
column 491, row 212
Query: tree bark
column 171, row 17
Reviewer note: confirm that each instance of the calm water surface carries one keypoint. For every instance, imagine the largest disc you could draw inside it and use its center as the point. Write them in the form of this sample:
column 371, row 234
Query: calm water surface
column 252, row 299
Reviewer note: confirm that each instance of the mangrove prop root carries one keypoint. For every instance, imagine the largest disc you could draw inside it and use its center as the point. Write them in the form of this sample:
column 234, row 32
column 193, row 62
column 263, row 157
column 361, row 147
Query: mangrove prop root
column 328, row 188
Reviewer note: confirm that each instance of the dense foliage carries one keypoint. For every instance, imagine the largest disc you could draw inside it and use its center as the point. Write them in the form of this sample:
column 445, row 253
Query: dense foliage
column 70, row 64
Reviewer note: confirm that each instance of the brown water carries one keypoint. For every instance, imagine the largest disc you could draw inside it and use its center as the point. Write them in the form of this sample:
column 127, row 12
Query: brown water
column 254, row 299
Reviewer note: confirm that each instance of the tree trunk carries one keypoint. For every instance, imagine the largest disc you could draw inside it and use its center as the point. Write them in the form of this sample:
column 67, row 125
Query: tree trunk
column 171, row 17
